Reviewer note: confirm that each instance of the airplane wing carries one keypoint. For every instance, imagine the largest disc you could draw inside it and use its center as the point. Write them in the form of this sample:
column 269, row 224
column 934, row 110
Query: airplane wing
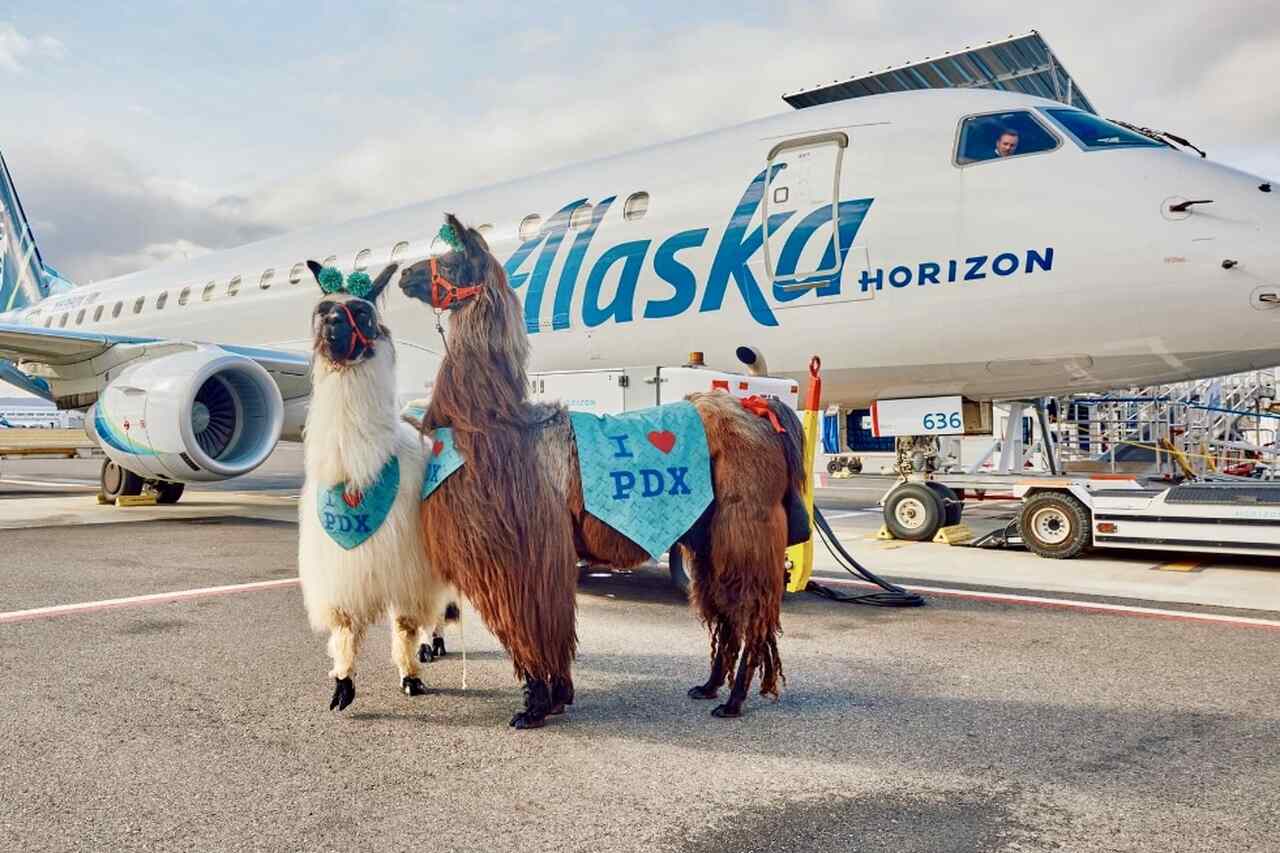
column 59, row 348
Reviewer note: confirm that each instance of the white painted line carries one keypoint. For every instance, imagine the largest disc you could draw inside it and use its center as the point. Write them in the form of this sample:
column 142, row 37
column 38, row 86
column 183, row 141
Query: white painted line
column 140, row 600
column 53, row 484
column 1068, row 604
column 832, row 516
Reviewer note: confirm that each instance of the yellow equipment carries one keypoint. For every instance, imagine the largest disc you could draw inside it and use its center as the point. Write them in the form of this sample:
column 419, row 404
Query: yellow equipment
column 800, row 557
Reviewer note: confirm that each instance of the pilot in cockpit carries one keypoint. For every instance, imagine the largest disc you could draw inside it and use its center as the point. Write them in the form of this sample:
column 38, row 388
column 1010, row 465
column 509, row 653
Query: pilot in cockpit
column 1007, row 143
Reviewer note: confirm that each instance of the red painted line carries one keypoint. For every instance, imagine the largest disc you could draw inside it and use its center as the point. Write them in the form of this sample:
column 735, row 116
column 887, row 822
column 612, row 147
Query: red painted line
column 140, row 600
column 875, row 420
column 1081, row 606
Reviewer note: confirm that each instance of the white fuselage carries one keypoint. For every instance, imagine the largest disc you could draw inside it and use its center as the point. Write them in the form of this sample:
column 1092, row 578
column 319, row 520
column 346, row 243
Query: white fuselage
column 1069, row 273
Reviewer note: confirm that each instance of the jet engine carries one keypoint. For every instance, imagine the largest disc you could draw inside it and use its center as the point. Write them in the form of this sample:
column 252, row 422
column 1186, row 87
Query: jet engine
column 192, row 416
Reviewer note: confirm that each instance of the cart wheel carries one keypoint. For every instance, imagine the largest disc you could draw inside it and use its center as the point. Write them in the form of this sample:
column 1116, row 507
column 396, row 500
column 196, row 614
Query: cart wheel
column 167, row 492
column 679, row 577
column 914, row 512
column 1055, row 525
column 952, row 503
column 833, row 465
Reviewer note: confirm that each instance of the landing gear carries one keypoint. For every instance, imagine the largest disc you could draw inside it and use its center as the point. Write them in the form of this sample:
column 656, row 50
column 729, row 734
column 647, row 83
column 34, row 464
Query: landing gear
column 166, row 492
column 913, row 512
column 118, row 482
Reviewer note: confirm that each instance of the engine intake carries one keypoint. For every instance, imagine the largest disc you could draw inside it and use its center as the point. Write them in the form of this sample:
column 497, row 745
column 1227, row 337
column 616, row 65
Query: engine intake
column 193, row 416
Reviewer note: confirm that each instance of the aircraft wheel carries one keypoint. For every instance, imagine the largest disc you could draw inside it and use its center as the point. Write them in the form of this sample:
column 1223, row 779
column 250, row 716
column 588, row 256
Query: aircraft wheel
column 1054, row 525
column 168, row 493
column 679, row 577
column 952, row 505
column 118, row 482
column 834, row 465
column 913, row 512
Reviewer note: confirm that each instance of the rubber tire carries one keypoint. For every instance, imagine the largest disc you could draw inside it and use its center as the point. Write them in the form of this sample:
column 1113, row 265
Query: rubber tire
column 1075, row 511
column 679, row 577
column 118, row 482
column 834, row 465
column 928, row 498
column 952, row 506
column 168, row 493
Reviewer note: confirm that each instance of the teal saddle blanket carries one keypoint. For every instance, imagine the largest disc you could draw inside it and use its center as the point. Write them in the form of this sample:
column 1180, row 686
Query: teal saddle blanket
column 647, row 473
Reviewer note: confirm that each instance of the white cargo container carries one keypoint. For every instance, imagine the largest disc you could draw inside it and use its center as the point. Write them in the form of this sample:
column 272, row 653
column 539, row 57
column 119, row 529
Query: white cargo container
column 628, row 388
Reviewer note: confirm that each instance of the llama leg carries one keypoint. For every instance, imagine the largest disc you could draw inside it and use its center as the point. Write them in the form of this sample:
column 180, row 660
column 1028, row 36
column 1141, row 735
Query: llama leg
column 724, row 653
column 561, row 694
column 345, row 638
column 404, row 635
column 741, row 684
column 428, row 652
column 537, row 704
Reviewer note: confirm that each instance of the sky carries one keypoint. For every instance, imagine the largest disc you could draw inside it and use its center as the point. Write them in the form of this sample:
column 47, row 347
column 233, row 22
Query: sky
column 167, row 130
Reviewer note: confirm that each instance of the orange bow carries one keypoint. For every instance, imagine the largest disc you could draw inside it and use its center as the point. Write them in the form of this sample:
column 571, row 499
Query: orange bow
column 759, row 406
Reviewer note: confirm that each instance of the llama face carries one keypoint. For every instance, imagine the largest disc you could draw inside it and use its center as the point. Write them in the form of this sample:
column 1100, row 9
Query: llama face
column 345, row 329
column 451, row 280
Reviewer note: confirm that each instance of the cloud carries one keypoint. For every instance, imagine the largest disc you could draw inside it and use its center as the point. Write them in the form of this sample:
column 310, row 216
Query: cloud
column 15, row 48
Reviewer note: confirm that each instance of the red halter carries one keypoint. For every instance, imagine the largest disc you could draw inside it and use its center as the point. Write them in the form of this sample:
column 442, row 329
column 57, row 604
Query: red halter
column 444, row 292
column 356, row 334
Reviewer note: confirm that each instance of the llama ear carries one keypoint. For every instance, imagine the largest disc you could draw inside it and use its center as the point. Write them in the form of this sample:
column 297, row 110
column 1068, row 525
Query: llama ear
column 315, row 269
column 380, row 283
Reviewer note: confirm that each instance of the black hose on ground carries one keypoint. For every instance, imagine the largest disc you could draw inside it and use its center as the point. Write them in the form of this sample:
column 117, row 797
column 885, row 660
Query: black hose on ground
column 893, row 595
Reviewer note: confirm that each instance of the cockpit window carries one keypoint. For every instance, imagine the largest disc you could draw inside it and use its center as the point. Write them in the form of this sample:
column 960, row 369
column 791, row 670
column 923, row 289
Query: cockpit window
column 1092, row 133
column 998, row 136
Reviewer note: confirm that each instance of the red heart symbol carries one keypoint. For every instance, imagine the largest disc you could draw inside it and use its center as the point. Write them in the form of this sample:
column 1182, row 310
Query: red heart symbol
column 664, row 440
column 352, row 499
column 437, row 447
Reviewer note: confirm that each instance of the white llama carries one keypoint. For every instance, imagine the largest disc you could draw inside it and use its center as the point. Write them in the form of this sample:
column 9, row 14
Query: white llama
column 360, row 550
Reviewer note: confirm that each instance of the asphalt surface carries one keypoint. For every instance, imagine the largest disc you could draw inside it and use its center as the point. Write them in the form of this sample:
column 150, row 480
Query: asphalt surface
column 961, row 726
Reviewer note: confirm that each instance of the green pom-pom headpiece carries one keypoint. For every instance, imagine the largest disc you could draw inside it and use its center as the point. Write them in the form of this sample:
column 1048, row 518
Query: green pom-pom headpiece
column 330, row 279
column 359, row 284
column 450, row 236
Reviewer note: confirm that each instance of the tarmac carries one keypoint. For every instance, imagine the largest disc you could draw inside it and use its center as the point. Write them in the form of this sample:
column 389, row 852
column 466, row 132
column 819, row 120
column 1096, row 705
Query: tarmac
column 164, row 692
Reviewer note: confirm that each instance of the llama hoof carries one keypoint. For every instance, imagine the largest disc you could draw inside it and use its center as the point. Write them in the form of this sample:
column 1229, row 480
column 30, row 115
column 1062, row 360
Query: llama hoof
column 344, row 693
column 528, row 720
column 424, row 654
column 726, row 712
column 702, row 691
column 437, row 647
column 556, row 710
column 561, row 693
column 413, row 686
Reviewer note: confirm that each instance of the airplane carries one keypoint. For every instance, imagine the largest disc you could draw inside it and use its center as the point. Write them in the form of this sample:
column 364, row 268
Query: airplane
column 968, row 242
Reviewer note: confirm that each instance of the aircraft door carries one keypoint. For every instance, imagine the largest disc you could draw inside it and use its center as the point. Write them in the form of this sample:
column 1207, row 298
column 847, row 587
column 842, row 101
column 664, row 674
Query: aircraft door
column 800, row 211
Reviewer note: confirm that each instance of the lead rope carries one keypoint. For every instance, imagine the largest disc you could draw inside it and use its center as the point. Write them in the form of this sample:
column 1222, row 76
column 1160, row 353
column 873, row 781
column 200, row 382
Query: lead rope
column 440, row 331
column 462, row 637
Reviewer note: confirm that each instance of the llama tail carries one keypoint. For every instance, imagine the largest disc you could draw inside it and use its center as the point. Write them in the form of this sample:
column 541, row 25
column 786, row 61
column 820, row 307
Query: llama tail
column 799, row 528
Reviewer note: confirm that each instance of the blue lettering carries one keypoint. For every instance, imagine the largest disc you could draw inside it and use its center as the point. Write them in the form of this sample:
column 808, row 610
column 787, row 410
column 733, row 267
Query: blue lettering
column 975, row 264
column 573, row 264
column 866, row 280
column 735, row 251
column 851, row 215
column 553, row 232
column 622, row 305
column 951, row 267
column 344, row 524
column 929, row 273
column 678, row 484
column 623, row 483
column 1034, row 258
column 653, row 483
column 676, row 274
column 622, row 453
column 433, row 471
column 362, row 524
column 329, row 520
column 1010, row 267
column 900, row 280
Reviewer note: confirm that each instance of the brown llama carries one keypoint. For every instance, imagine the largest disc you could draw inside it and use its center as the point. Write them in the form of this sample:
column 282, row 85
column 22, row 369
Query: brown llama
column 509, row 525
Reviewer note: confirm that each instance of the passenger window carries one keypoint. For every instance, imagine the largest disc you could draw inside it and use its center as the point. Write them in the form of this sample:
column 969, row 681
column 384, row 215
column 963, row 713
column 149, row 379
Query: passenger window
column 529, row 227
column 581, row 216
column 233, row 286
column 185, row 296
column 97, row 313
column 362, row 259
column 265, row 281
column 62, row 321
column 48, row 321
column 1001, row 136
column 115, row 312
column 207, row 294
column 635, row 207
column 80, row 317
column 162, row 300
column 138, row 303
column 330, row 261
column 295, row 274
column 397, row 252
